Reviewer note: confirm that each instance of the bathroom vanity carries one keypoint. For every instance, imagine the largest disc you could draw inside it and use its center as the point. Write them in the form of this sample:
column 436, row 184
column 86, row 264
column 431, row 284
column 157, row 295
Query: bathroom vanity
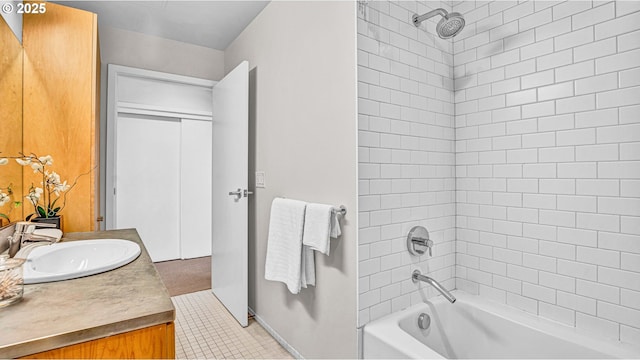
column 122, row 313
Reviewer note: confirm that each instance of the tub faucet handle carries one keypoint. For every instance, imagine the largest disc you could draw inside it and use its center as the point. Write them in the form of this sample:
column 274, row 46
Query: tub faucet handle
column 428, row 243
column 418, row 239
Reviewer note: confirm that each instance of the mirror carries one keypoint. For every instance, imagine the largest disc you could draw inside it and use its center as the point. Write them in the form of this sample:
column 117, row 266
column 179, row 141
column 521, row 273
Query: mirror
column 10, row 121
column 13, row 17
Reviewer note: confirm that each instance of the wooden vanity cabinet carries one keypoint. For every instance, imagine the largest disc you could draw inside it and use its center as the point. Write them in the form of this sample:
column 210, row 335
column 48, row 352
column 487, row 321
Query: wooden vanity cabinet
column 61, row 105
column 124, row 313
column 155, row 342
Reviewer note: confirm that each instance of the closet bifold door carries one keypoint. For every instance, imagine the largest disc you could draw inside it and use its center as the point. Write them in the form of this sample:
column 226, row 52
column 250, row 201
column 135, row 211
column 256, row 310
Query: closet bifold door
column 171, row 143
column 195, row 189
column 148, row 181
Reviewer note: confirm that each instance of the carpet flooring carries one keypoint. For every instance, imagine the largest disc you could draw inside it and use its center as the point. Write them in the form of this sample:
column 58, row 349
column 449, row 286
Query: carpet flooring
column 185, row 276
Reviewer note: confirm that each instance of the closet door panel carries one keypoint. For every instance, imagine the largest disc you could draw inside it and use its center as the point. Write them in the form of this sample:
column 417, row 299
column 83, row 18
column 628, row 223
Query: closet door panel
column 195, row 189
column 148, row 181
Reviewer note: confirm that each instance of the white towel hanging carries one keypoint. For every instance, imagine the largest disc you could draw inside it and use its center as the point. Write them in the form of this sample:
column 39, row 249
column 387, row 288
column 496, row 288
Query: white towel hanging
column 296, row 230
column 284, row 243
column 320, row 224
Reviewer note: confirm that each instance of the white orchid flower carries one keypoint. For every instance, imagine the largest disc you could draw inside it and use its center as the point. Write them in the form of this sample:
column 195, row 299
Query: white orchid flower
column 46, row 160
column 4, row 198
column 61, row 187
column 53, row 179
column 4, row 161
column 24, row 162
column 36, row 167
column 34, row 195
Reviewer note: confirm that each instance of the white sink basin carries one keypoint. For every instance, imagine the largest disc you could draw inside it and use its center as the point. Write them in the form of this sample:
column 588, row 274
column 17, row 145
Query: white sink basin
column 74, row 259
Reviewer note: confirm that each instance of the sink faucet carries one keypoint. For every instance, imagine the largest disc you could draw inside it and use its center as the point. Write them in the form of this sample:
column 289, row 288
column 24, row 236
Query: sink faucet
column 24, row 233
column 417, row 276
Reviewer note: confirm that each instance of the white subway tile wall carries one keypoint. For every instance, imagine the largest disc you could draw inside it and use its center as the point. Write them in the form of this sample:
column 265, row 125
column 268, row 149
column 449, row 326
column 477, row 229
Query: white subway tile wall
column 406, row 151
column 545, row 144
column 551, row 225
column 532, row 190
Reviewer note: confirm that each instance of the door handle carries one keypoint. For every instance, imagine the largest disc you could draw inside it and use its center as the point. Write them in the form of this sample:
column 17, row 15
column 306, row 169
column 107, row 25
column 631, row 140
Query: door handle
column 237, row 193
column 247, row 193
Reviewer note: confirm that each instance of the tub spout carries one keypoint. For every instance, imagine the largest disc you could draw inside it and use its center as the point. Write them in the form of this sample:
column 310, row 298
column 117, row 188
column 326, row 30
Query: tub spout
column 417, row 276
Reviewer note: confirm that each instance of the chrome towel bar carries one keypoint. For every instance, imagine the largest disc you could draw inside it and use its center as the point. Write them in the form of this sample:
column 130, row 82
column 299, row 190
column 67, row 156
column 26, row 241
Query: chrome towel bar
column 340, row 210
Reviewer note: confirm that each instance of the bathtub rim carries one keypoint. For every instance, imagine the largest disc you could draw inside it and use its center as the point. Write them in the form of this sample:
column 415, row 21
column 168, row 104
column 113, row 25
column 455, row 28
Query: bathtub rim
column 381, row 328
column 387, row 330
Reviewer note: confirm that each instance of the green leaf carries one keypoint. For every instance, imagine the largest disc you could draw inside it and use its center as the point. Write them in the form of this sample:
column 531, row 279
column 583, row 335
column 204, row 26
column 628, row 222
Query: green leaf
column 41, row 211
column 28, row 218
column 4, row 216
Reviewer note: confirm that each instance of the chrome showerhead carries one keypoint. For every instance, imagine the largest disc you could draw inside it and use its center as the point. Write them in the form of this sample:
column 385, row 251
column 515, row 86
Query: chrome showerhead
column 449, row 26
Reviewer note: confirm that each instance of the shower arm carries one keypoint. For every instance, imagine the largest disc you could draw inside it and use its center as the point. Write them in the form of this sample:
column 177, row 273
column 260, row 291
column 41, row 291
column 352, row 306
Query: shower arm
column 417, row 19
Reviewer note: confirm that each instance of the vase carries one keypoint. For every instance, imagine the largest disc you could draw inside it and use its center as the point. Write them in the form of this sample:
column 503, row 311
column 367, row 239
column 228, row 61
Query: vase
column 56, row 220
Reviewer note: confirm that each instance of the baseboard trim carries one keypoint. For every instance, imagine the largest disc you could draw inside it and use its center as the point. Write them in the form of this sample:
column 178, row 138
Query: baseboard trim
column 275, row 335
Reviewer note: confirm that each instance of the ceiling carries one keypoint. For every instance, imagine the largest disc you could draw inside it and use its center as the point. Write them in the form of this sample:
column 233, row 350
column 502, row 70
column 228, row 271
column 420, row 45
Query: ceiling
column 213, row 24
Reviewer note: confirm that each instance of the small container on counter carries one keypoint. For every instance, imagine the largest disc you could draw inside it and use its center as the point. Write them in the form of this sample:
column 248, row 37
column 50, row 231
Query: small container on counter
column 11, row 280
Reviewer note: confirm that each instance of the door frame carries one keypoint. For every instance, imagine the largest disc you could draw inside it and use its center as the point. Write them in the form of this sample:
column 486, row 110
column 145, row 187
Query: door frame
column 115, row 105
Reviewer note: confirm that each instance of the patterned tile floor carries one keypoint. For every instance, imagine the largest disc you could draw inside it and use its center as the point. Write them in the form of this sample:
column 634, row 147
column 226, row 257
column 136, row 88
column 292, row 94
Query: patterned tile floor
column 206, row 330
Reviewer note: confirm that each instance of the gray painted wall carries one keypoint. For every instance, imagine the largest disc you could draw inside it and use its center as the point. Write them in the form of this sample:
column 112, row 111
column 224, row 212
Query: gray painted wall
column 302, row 57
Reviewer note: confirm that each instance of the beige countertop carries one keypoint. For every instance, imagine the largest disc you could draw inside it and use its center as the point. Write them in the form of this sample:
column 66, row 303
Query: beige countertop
column 57, row 314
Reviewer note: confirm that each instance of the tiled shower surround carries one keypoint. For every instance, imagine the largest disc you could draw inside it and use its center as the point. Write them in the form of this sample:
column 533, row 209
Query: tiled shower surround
column 406, row 155
column 546, row 156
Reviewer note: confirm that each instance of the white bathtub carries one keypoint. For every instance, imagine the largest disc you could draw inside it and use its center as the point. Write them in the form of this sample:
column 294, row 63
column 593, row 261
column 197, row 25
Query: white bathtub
column 480, row 329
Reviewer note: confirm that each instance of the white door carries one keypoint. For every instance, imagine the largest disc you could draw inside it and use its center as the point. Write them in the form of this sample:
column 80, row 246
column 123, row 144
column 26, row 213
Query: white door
column 229, row 250
column 147, row 183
